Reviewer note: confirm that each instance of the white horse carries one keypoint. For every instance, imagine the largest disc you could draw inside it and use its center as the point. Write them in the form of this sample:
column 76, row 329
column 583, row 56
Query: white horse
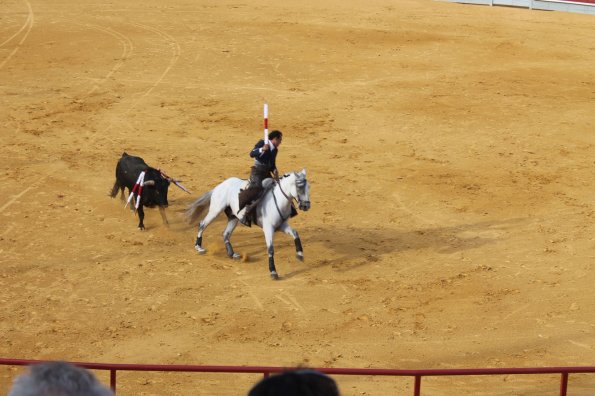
column 272, row 212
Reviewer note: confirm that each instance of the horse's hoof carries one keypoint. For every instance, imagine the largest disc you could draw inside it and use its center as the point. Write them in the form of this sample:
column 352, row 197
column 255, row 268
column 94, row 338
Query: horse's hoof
column 274, row 275
column 300, row 256
column 199, row 249
column 235, row 256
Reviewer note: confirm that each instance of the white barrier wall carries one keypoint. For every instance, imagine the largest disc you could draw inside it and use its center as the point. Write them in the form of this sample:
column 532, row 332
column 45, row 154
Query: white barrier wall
column 548, row 5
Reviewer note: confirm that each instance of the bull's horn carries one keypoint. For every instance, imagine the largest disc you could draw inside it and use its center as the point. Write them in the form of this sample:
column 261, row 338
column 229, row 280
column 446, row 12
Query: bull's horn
column 149, row 183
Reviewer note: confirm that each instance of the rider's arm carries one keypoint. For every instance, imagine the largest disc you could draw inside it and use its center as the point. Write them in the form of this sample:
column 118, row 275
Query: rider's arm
column 274, row 165
column 257, row 150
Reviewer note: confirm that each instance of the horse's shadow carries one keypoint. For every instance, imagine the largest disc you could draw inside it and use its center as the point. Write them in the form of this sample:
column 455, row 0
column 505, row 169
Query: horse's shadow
column 353, row 247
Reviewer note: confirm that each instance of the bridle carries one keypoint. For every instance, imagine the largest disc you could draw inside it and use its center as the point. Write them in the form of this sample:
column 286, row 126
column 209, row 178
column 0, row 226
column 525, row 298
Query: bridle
column 290, row 199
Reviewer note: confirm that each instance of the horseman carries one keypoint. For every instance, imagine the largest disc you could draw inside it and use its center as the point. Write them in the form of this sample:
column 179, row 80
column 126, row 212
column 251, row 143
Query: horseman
column 264, row 167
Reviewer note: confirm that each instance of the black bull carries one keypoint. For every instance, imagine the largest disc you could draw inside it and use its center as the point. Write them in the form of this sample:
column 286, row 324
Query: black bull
column 154, row 192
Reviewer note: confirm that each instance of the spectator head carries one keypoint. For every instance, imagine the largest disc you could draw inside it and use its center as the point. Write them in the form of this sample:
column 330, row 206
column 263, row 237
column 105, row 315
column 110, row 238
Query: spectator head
column 296, row 383
column 58, row 379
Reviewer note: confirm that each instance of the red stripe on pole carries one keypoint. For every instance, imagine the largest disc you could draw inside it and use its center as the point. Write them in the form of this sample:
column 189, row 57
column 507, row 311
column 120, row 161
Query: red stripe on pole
column 266, row 123
column 140, row 191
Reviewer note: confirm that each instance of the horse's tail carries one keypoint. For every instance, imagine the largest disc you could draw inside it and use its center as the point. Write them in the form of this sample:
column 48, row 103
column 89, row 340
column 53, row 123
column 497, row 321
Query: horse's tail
column 197, row 207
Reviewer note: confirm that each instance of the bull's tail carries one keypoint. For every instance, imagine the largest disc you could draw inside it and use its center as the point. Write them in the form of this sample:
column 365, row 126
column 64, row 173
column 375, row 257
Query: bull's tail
column 197, row 207
column 115, row 189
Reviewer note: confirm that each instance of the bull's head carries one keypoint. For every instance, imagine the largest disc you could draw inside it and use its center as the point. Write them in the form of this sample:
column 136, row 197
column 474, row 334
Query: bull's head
column 155, row 190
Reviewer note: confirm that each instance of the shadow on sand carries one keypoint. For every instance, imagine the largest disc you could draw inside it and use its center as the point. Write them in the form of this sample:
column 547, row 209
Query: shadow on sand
column 354, row 247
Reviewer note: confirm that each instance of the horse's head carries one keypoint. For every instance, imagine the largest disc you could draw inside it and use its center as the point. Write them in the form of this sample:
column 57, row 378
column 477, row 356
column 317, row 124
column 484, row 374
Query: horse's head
column 302, row 190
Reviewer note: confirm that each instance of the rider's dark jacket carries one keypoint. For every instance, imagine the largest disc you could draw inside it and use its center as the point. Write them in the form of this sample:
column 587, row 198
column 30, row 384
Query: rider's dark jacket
column 266, row 158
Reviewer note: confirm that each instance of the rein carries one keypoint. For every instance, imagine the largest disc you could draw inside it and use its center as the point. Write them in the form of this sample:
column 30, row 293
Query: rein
column 283, row 192
column 278, row 181
column 277, row 206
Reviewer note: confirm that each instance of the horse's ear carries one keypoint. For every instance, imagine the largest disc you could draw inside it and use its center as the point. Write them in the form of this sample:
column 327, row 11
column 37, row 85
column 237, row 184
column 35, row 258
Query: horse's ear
column 303, row 172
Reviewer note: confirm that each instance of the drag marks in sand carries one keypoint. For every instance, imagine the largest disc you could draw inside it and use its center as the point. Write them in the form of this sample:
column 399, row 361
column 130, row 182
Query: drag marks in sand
column 26, row 28
column 173, row 45
column 127, row 50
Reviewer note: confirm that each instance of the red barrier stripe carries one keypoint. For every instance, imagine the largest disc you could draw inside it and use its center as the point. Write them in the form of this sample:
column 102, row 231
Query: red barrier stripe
column 327, row 370
column 417, row 374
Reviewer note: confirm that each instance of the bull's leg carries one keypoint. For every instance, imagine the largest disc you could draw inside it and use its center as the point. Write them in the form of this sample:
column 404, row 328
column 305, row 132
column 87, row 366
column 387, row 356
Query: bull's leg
column 201, row 228
column 163, row 216
column 299, row 251
column 122, row 198
column 232, row 222
column 141, row 217
column 269, row 232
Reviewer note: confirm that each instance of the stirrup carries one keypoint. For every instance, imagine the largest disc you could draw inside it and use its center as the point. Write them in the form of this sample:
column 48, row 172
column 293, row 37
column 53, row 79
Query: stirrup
column 245, row 220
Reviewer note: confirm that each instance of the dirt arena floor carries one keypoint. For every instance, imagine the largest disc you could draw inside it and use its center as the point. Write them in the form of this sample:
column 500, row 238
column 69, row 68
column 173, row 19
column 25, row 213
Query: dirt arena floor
column 450, row 151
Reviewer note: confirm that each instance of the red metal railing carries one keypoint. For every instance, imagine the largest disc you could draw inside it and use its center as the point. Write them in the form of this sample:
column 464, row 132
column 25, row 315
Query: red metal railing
column 266, row 371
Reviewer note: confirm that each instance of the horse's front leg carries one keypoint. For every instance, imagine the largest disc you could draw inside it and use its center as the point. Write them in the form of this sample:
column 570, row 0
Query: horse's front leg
column 269, row 232
column 299, row 251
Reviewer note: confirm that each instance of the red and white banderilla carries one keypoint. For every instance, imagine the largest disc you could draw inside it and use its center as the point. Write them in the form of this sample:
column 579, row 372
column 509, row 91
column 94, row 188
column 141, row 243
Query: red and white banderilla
column 138, row 186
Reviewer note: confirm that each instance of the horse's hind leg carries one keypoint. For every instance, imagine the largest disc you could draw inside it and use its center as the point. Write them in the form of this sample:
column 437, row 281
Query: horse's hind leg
column 201, row 228
column 299, row 251
column 232, row 222
column 269, row 232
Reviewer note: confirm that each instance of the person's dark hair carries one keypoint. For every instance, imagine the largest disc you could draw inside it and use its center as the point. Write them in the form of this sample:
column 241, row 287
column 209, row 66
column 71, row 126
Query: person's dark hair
column 58, row 379
column 296, row 383
column 275, row 134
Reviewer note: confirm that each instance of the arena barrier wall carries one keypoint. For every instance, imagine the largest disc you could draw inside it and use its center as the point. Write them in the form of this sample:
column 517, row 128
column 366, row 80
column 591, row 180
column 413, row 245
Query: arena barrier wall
column 266, row 371
column 583, row 7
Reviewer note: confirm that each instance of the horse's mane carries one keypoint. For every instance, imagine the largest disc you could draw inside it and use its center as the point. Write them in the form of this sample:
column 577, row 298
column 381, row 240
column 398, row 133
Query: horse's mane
column 296, row 174
column 300, row 179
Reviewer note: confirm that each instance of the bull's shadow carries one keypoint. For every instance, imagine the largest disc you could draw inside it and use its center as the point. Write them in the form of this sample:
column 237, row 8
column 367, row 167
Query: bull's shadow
column 353, row 247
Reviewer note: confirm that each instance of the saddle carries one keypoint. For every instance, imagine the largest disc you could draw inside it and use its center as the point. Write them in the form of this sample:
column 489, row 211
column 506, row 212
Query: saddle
column 246, row 199
column 248, row 195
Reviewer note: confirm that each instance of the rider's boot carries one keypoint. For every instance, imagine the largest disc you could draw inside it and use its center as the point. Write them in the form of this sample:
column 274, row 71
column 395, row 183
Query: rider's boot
column 246, row 218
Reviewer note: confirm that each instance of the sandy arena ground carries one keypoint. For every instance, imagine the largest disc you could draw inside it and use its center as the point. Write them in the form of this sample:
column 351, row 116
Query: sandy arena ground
column 450, row 151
